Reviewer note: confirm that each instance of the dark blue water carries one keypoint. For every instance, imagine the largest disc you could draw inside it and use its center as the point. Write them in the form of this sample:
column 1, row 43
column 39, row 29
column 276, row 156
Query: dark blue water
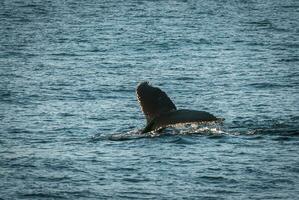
column 69, row 118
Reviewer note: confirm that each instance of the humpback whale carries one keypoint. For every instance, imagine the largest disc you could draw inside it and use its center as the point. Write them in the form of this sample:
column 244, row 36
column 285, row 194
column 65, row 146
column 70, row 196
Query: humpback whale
column 160, row 112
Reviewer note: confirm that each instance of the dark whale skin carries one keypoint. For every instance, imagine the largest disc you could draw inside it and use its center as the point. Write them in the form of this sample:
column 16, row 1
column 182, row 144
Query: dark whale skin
column 177, row 117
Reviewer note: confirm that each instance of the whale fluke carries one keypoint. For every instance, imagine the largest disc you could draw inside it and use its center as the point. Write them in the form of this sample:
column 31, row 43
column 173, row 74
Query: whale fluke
column 153, row 101
column 161, row 112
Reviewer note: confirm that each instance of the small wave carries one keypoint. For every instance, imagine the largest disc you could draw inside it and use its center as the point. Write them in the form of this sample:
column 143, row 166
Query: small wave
column 263, row 23
column 213, row 178
column 255, row 137
column 181, row 140
column 64, row 114
column 294, row 59
column 65, row 54
column 42, row 195
column 274, row 131
column 124, row 137
column 136, row 180
column 255, row 44
column 266, row 85
column 294, row 6
column 184, row 78
column 131, row 135
column 282, row 138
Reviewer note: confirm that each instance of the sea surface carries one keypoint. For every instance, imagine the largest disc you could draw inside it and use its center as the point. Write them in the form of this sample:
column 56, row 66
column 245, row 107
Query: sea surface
column 70, row 121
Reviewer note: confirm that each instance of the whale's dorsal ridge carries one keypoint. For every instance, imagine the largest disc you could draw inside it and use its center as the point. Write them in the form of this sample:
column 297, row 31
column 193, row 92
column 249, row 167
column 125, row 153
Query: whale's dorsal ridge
column 153, row 101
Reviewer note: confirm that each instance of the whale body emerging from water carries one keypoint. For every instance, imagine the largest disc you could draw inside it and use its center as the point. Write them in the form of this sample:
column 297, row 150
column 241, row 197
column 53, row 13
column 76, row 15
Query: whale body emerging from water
column 160, row 112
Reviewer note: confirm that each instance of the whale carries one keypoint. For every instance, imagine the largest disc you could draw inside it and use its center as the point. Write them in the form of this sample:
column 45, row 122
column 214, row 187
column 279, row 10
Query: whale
column 160, row 112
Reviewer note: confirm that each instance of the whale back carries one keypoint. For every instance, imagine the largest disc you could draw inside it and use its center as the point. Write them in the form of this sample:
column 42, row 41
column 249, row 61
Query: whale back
column 153, row 101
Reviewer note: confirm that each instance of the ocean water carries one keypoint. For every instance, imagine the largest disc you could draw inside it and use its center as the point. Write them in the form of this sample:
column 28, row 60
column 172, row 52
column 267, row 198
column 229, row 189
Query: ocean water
column 69, row 117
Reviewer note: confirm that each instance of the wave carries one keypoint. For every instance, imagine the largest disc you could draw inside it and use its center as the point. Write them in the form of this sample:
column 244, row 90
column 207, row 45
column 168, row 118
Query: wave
column 180, row 132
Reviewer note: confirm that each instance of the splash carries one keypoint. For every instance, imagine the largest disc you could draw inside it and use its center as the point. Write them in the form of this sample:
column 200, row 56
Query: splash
column 207, row 128
column 130, row 135
column 211, row 128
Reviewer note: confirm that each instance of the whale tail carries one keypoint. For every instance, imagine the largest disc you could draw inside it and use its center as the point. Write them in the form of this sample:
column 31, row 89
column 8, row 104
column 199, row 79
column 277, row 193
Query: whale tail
column 161, row 112
column 153, row 101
